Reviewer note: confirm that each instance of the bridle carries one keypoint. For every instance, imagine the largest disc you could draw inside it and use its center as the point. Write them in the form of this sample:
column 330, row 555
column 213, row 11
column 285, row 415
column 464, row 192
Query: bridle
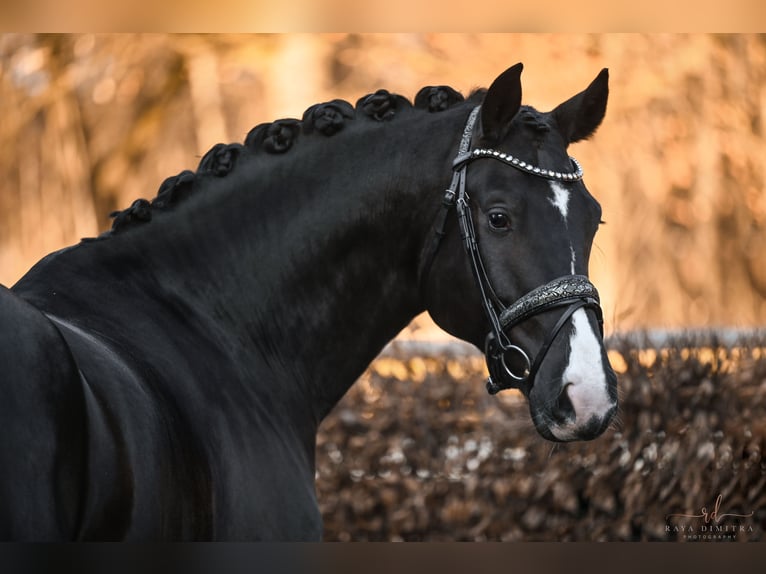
column 571, row 292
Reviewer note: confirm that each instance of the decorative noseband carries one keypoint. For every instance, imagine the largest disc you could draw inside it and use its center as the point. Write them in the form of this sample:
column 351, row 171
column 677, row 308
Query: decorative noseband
column 572, row 291
column 548, row 296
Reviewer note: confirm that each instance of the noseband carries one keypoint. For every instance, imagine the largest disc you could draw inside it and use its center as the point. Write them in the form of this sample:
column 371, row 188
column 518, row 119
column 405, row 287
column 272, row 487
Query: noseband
column 571, row 292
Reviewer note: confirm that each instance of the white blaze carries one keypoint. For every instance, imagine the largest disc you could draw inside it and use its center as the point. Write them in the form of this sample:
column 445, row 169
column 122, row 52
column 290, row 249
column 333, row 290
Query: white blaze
column 560, row 198
column 560, row 201
column 585, row 372
column 584, row 375
column 573, row 260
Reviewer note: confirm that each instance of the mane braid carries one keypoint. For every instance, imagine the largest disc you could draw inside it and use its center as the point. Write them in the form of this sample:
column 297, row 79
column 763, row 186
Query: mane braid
column 437, row 98
column 382, row 105
column 220, row 159
column 278, row 137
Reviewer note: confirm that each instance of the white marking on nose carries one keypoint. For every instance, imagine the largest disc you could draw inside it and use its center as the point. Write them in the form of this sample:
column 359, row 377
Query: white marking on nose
column 560, row 198
column 585, row 372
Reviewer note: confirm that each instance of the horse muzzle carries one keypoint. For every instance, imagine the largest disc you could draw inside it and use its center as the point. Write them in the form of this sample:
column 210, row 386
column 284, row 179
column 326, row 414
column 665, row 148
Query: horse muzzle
column 510, row 365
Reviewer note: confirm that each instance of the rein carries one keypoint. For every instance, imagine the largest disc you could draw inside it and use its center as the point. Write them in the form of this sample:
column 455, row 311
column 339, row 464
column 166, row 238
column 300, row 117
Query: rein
column 572, row 291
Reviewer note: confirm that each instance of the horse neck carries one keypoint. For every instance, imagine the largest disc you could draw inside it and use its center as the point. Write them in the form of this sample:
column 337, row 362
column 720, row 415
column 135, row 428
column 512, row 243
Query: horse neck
column 309, row 260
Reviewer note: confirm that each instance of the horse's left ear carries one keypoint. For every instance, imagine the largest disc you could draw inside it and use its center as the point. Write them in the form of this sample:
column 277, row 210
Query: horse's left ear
column 501, row 104
column 580, row 115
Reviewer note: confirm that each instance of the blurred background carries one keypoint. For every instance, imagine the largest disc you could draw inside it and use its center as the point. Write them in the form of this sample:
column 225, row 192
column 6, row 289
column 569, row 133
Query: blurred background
column 417, row 450
column 93, row 122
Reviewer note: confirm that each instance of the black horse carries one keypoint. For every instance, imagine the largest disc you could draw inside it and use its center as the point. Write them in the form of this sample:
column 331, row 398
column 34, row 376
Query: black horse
column 166, row 379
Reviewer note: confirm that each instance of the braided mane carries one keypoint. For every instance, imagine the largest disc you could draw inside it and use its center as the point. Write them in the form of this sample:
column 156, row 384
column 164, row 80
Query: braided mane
column 278, row 137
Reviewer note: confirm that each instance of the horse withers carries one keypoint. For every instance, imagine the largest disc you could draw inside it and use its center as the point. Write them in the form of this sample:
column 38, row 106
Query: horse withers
column 165, row 380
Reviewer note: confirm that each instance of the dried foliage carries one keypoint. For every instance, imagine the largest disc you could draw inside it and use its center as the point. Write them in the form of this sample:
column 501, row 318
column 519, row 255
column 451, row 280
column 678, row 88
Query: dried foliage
column 417, row 450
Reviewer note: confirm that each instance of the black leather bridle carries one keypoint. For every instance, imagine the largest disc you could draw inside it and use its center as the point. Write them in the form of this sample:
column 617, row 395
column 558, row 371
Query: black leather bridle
column 571, row 292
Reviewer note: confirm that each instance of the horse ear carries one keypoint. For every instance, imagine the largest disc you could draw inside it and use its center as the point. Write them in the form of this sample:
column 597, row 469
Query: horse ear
column 501, row 103
column 580, row 115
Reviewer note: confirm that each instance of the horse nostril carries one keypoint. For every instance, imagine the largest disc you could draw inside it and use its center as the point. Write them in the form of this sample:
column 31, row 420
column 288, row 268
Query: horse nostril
column 564, row 409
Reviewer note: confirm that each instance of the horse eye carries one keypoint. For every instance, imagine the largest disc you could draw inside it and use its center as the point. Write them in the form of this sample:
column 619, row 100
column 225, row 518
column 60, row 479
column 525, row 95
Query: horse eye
column 498, row 220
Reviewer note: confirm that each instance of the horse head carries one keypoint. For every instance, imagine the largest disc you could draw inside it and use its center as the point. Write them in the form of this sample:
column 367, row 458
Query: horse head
column 514, row 239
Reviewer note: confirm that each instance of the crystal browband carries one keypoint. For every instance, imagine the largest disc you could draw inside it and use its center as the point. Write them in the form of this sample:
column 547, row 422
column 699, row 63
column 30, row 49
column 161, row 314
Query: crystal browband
column 529, row 168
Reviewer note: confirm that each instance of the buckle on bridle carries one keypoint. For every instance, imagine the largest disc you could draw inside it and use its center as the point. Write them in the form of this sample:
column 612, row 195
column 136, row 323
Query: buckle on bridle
column 496, row 354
